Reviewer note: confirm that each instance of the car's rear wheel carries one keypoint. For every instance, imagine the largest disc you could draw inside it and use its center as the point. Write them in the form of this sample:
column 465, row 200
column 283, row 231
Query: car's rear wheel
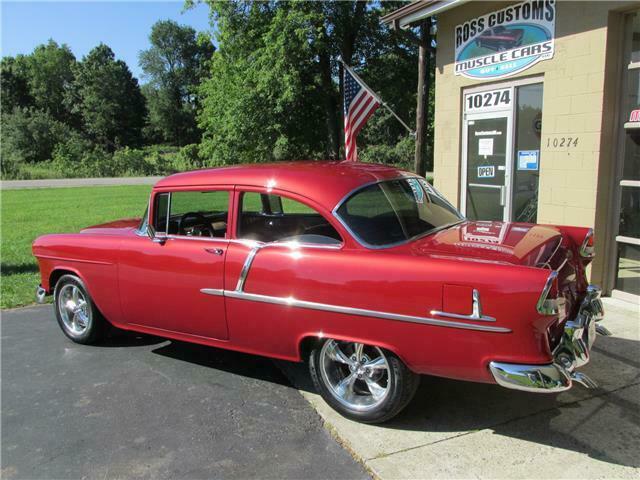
column 76, row 313
column 362, row 382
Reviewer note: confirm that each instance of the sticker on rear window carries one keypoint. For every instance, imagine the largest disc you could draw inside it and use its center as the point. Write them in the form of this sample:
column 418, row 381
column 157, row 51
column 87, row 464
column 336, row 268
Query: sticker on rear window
column 418, row 193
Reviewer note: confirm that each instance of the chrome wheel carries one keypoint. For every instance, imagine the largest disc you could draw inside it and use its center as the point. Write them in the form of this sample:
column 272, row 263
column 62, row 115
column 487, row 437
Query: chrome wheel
column 357, row 375
column 75, row 311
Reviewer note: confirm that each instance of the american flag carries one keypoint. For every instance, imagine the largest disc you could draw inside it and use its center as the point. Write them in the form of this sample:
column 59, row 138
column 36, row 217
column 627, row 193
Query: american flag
column 359, row 105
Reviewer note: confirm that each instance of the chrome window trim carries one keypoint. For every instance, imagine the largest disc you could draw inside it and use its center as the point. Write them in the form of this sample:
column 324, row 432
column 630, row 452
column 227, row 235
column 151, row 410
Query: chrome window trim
column 166, row 228
column 365, row 244
column 187, row 237
column 144, row 233
column 281, row 196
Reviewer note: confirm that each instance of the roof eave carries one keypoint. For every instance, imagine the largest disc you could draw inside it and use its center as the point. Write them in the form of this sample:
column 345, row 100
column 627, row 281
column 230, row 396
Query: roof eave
column 413, row 13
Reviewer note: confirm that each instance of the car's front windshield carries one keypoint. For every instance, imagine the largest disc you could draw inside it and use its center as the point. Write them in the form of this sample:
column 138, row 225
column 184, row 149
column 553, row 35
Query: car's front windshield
column 396, row 211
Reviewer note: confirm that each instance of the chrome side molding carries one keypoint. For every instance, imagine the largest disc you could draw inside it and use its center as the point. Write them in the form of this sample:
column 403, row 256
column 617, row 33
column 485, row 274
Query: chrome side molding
column 293, row 302
column 476, row 311
column 212, row 291
column 239, row 293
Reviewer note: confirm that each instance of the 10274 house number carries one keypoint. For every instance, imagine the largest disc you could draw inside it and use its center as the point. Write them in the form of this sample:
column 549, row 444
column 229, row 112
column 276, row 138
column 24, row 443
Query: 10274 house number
column 562, row 142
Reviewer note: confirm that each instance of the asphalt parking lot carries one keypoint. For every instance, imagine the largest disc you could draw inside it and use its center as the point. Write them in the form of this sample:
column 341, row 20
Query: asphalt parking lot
column 144, row 407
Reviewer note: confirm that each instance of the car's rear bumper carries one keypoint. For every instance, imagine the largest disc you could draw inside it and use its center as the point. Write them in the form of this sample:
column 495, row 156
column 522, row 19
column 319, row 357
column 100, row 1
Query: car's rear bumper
column 572, row 352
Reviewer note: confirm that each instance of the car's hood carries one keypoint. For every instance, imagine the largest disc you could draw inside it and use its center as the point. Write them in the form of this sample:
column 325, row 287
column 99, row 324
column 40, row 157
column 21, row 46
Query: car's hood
column 113, row 228
column 514, row 243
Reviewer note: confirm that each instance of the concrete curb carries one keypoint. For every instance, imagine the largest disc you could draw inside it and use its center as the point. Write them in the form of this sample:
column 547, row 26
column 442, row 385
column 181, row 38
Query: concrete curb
column 461, row 430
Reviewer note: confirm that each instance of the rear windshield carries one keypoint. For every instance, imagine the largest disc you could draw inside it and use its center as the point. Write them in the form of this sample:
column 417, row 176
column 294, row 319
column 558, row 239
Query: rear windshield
column 396, row 211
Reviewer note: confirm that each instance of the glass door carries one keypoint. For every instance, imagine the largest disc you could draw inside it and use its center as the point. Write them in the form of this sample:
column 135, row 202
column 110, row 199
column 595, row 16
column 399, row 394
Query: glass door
column 626, row 281
column 486, row 161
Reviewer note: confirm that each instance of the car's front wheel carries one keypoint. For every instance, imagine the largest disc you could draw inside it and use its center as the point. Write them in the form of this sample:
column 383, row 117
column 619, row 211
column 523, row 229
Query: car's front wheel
column 362, row 382
column 76, row 313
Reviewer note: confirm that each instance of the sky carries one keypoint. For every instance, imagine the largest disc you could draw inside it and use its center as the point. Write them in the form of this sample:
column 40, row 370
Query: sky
column 124, row 26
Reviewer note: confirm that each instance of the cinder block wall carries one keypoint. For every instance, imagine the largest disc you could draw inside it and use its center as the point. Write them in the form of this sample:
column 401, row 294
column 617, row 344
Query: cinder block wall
column 573, row 105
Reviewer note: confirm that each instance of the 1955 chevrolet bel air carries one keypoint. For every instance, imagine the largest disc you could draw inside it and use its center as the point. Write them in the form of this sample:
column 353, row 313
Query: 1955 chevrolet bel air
column 365, row 271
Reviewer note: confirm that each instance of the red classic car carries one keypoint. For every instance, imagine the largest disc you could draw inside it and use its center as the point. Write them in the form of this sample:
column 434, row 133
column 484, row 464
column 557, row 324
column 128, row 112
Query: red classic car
column 362, row 270
column 500, row 38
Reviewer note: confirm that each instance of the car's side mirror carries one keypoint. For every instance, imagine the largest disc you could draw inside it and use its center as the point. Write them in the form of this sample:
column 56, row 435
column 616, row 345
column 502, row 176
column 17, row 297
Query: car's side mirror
column 151, row 232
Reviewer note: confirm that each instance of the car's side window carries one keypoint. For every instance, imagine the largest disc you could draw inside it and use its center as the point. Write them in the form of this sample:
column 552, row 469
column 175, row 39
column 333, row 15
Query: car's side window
column 273, row 218
column 193, row 213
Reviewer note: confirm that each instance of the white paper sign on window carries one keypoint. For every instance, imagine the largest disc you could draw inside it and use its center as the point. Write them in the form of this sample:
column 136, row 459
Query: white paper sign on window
column 485, row 146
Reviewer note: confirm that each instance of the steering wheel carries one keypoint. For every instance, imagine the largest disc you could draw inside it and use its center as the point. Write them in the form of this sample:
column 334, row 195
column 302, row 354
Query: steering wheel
column 196, row 222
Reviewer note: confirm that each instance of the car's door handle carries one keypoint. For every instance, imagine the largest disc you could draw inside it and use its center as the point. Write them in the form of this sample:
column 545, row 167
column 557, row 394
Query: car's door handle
column 215, row 251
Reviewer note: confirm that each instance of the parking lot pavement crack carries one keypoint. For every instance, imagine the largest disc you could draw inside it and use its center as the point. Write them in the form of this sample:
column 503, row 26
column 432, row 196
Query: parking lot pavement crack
column 506, row 422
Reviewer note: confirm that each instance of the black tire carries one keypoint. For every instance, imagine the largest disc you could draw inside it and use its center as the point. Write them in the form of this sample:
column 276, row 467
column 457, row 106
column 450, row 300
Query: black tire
column 95, row 324
column 401, row 383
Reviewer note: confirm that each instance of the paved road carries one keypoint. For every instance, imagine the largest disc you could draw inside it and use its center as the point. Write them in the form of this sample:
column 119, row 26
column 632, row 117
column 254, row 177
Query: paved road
column 143, row 407
column 77, row 182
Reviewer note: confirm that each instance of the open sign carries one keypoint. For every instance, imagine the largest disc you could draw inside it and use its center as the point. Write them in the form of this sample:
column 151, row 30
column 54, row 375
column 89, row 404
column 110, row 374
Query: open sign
column 487, row 171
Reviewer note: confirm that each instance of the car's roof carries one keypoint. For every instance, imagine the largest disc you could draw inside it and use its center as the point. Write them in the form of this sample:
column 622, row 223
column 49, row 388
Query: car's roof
column 325, row 182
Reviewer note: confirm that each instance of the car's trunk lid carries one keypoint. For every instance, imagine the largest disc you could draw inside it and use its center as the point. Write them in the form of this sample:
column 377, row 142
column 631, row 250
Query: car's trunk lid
column 513, row 243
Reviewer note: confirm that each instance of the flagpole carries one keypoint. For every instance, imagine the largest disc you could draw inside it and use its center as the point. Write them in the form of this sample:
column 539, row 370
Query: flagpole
column 384, row 104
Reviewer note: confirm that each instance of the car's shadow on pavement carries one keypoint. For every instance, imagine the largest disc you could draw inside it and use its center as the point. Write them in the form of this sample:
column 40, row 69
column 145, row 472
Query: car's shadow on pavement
column 602, row 423
column 251, row 366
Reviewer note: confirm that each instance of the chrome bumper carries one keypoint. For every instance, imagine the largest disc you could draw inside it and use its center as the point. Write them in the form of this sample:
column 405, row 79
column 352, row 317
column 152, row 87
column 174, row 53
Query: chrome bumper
column 41, row 293
column 572, row 352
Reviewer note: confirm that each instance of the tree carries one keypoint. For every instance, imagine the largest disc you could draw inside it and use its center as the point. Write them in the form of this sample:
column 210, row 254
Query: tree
column 274, row 90
column 14, row 83
column 174, row 64
column 107, row 99
column 50, row 74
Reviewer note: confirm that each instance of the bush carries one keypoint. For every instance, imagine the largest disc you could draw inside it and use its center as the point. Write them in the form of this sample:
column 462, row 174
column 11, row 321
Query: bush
column 76, row 157
column 30, row 136
column 400, row 155
column 188, row 158
column 130, row 162
column 9, row 165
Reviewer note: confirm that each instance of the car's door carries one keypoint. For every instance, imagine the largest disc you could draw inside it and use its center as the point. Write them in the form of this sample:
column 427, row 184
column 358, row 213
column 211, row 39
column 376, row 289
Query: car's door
column 295, row 249
column 175, row 283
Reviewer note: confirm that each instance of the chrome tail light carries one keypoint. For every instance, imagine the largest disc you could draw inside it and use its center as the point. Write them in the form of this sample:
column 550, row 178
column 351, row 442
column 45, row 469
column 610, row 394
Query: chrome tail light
column 587, row 249
column 548, row 303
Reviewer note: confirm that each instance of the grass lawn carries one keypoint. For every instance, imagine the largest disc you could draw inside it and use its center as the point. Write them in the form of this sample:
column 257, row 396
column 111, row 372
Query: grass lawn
column 26, row 214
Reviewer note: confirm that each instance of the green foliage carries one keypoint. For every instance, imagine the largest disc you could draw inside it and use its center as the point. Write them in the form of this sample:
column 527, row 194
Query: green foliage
column 14, row 84
column 401, row 154
column 272, row 91
column 50, row 75
column 189, row 158
column 174, row 66
column 275, row 81
column 29, row 136
column 107, row 99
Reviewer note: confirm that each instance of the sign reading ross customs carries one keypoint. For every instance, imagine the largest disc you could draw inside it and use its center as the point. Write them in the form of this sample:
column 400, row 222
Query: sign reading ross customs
column 507, row 41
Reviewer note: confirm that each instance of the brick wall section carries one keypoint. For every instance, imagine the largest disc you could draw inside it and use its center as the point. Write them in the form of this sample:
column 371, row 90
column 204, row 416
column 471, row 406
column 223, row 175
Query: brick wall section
column 574, row 83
